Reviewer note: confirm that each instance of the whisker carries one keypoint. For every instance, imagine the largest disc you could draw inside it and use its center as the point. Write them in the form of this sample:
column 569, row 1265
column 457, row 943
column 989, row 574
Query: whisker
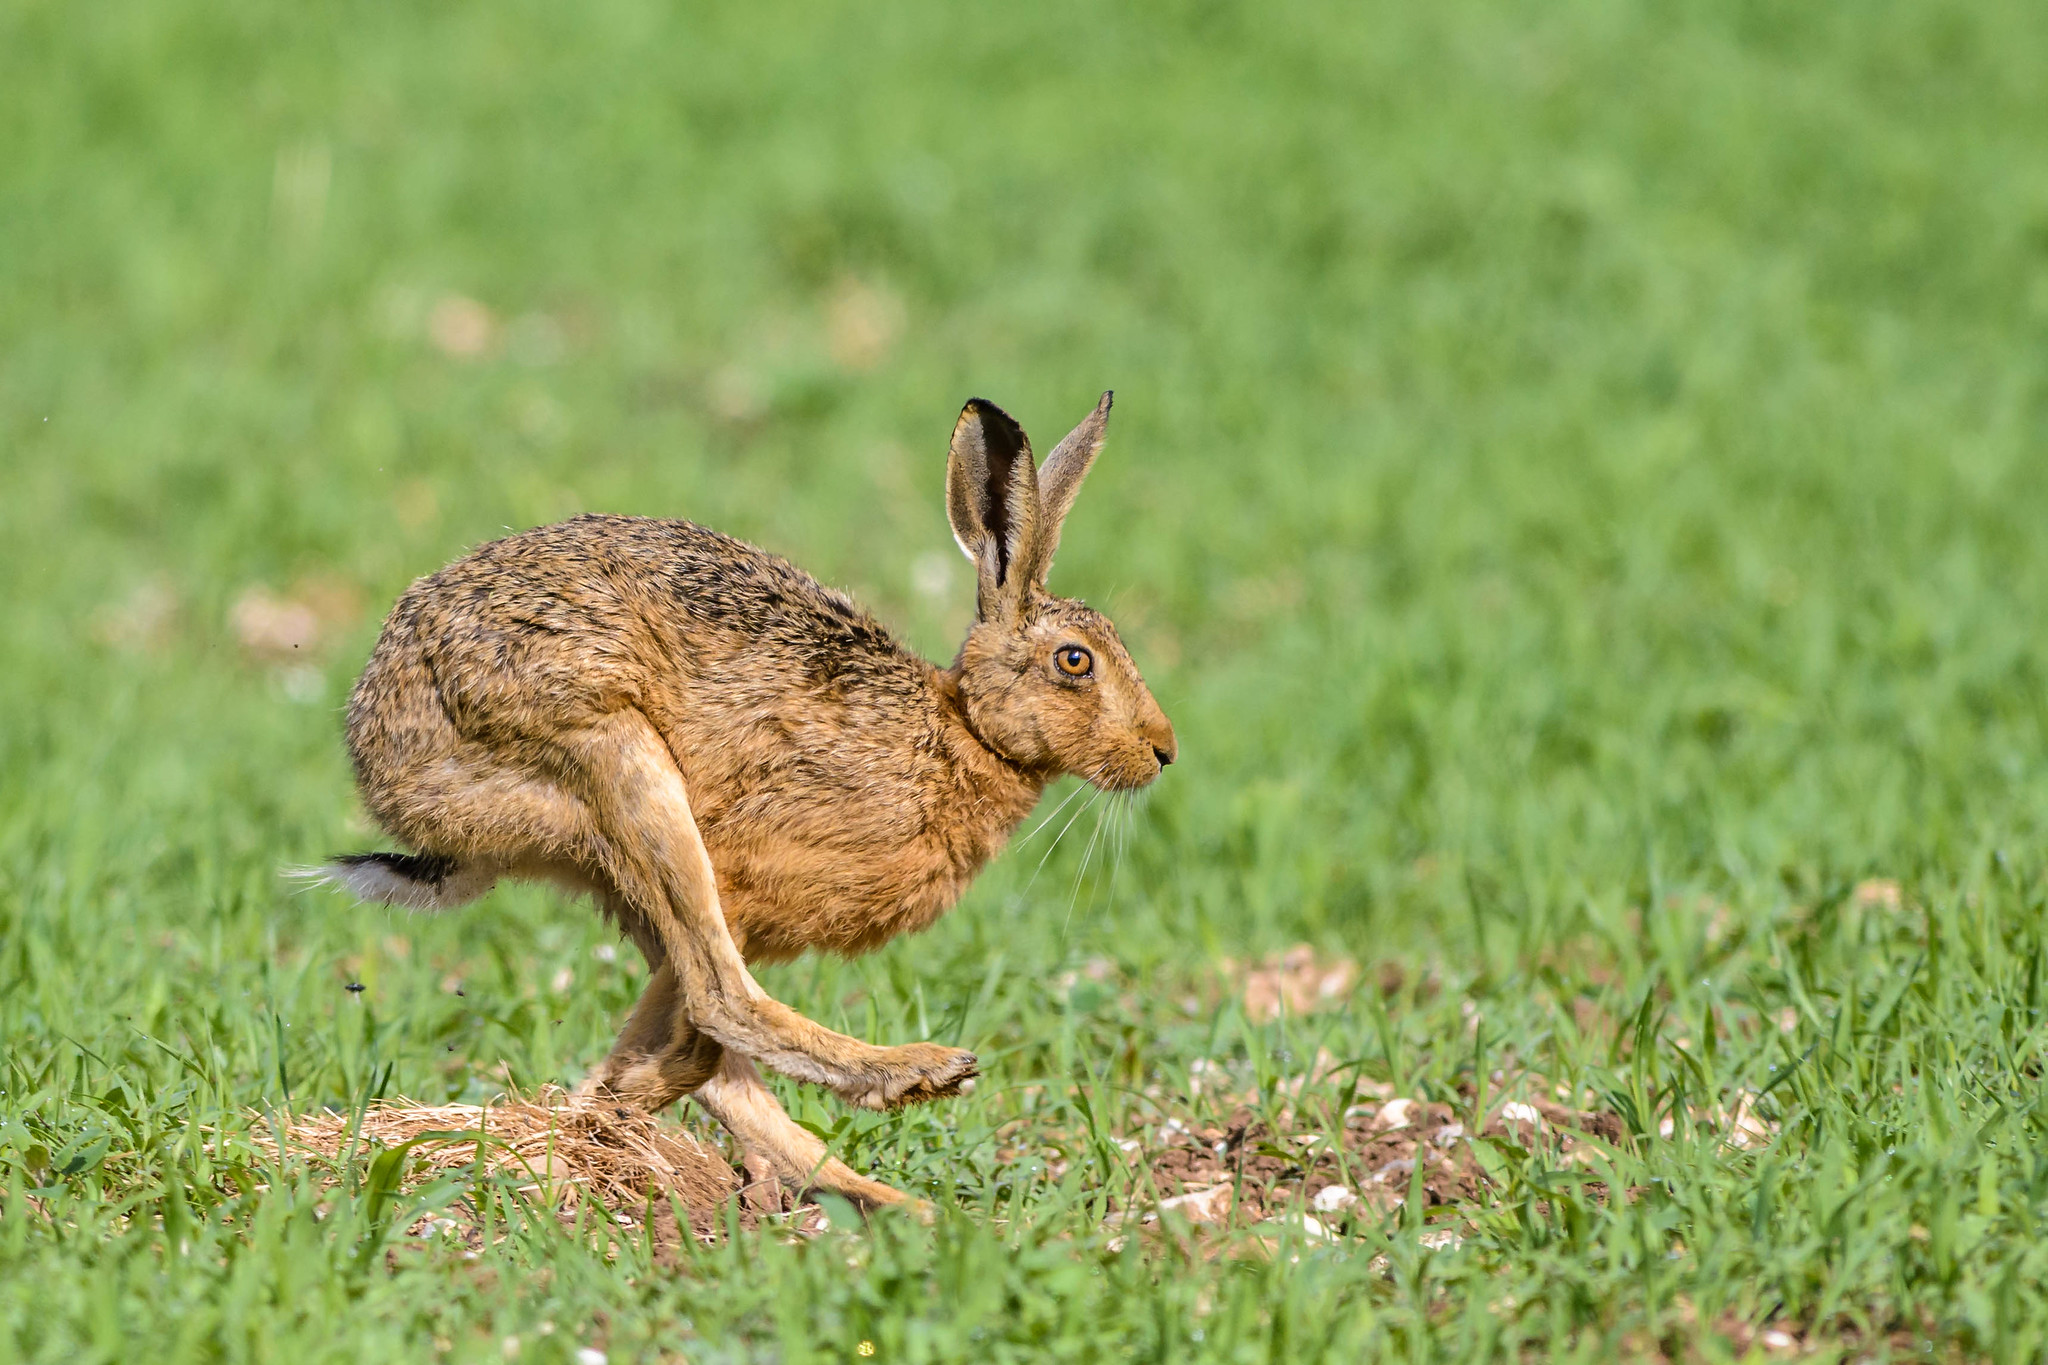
column 1120, row 841
column 1065, row 801
column 1079, row 877
column 1056, row 841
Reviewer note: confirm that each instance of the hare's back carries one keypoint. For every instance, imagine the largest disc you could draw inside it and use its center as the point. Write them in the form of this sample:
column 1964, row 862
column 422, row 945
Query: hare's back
column 697, row 589
column 606, row 596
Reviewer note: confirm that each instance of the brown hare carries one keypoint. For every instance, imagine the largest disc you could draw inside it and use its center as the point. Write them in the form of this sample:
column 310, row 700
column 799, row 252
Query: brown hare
column 741, row 764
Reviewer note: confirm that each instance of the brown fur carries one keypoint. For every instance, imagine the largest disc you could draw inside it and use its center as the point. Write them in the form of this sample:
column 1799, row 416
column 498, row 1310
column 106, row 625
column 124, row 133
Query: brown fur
column 741, row 764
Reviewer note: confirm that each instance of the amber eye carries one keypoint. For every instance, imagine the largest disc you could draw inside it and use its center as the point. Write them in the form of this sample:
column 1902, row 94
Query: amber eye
column 1073, row 660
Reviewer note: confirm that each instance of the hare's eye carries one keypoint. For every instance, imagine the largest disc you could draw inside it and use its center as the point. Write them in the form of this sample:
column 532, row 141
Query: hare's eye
column 1073, row 660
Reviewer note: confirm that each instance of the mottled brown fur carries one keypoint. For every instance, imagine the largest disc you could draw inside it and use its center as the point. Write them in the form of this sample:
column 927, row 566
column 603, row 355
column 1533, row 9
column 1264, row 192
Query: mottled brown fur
column 741, row 764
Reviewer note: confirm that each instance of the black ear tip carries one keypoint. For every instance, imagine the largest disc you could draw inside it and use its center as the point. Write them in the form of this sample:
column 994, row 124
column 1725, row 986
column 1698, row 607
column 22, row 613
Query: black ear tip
column 996, row 422
column 1108, row 400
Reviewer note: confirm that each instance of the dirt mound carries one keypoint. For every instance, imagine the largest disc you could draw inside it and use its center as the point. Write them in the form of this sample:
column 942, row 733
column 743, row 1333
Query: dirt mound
column 568, row 1149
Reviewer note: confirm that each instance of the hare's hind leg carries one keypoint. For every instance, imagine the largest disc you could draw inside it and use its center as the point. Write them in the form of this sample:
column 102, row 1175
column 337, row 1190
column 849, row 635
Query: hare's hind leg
column 652, row 853
column 738, row 1098
column 659, row 1057
column 653, row 1065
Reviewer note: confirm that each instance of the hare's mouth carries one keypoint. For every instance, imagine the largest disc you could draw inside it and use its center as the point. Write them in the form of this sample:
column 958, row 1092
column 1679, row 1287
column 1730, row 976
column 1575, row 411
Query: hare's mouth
column 1128, row 774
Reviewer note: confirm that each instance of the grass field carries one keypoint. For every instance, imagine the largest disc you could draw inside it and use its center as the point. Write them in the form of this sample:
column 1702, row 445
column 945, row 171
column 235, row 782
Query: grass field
column 1577, row 485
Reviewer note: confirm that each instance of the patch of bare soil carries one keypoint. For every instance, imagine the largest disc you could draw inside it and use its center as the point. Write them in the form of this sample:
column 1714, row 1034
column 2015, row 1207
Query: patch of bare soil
column 1301, row 981
column 1242, row 1173
column 1838, row 1338
column 570, row 1150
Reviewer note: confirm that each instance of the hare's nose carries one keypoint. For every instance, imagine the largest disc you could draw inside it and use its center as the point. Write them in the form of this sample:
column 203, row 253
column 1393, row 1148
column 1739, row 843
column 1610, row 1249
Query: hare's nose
column 1157, row 731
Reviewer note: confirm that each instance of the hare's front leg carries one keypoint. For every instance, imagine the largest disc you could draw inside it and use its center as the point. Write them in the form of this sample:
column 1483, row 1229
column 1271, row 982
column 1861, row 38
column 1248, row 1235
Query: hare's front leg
column 655, row 858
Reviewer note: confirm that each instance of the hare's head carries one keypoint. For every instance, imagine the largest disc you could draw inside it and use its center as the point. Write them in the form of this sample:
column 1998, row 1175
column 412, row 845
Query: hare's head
column 1046, row 682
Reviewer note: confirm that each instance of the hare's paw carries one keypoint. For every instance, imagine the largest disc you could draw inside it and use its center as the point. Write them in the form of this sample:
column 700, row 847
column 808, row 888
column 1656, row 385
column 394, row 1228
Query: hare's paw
column 865, row 1195
column 911, row 1074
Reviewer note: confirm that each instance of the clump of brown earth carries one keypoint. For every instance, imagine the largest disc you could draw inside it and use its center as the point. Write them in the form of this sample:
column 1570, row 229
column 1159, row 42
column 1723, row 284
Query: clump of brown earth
column 1242, row 1172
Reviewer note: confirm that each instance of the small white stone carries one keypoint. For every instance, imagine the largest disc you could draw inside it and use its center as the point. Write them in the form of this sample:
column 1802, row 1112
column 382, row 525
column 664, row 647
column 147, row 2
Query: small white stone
column 589, row 1355
column 1333, row 1199
column 1397, row 1113
column 1201, row 1206
column 1514, row 1111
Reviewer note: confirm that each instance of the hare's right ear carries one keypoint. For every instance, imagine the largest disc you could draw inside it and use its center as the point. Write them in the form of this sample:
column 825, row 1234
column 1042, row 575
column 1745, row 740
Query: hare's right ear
column 992, row 502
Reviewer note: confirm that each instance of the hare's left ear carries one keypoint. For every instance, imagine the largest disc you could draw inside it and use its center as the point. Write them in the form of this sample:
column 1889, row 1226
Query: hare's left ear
column 992, row 502
column 1060, row 480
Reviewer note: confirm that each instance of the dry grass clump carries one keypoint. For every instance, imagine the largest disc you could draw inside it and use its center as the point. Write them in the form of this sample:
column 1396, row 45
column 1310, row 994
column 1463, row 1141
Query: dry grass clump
column 569, row 1149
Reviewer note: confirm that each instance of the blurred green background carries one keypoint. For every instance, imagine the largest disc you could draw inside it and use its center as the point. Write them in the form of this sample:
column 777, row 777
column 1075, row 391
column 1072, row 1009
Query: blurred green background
column 1569, row 461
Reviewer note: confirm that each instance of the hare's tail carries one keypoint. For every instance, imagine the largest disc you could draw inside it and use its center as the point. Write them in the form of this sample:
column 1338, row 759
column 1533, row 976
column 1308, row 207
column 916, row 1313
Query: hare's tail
column 418, row 881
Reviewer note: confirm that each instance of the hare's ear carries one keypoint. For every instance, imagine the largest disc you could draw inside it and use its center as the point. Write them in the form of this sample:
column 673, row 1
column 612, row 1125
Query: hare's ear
column 1060, row 480
column 992, row 501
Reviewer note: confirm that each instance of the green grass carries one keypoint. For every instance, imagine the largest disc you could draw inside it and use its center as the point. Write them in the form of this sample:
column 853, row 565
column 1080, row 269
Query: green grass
column 1577, row 486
